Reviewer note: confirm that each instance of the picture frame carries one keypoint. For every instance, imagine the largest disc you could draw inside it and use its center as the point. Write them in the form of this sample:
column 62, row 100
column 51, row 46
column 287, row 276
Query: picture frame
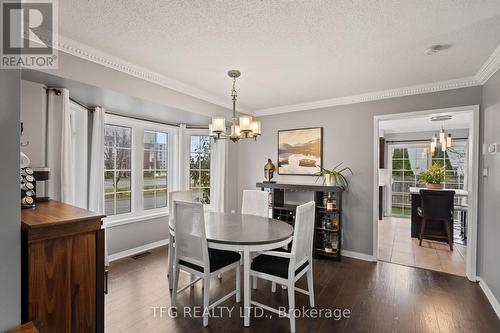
column 300, row 151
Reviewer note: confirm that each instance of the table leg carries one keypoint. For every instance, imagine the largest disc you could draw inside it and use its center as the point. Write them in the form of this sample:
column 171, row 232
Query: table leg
column 170, row 275
column 246, row 288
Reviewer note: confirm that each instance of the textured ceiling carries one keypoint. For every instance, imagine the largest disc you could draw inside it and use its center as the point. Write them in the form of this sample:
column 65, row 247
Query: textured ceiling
column 290, row 51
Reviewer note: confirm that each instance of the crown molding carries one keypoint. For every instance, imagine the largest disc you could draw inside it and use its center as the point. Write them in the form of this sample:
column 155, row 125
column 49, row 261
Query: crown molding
column 89, row 53
column 490, row 67
column 373, row 96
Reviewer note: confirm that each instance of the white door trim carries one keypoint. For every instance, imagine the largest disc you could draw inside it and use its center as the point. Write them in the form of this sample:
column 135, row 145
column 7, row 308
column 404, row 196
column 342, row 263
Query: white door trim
column 473, row 175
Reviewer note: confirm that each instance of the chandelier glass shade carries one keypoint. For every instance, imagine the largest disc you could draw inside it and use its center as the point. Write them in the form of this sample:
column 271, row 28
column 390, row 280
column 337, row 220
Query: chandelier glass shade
column 244, row 127
column 443, row 140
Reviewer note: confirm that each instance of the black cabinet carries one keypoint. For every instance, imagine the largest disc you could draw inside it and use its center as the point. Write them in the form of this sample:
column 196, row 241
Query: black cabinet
column 328, row 222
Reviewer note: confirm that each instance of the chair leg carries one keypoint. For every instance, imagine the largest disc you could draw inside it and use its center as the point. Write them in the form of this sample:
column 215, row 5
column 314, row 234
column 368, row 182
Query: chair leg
column 310, row 287
column 206, row 294
column 273, row 287
column 254, row 282
column 175, row 286
column 291, row 306
column 464, row 225
column 238, row 284
column 170, row 262
column 422, row 229
column 448, row 233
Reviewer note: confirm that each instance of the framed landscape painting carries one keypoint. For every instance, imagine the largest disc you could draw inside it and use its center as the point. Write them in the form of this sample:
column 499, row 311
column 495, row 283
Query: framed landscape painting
column 300, row 151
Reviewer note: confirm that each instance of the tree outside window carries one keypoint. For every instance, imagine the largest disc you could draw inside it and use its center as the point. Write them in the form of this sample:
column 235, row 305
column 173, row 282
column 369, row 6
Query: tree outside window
column 117, row 169
column 155, row 169
column 199, row 167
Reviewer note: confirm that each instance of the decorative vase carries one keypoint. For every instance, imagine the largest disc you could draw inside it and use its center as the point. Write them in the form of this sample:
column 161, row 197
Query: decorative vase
column 434, row 186
column 328, row 180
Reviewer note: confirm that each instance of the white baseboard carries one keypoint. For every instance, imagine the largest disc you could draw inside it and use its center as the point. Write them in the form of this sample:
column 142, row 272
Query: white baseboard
column 136, row 250
column 489, row 295
column 359, row 255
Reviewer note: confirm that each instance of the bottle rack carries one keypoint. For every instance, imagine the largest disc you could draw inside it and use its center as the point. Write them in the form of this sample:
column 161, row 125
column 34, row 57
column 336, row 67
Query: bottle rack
column 328, row 227
column 327, row 236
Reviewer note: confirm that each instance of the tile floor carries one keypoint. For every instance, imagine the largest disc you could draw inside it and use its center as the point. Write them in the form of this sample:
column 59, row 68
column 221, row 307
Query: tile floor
column 396, row 246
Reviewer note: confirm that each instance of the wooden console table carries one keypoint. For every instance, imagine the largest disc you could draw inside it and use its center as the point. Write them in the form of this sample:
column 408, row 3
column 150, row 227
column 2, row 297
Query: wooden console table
column 62, row 268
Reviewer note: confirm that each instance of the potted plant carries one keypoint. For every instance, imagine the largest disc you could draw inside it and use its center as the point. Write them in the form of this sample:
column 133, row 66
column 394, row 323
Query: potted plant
column 433, row 177
column 336, row 176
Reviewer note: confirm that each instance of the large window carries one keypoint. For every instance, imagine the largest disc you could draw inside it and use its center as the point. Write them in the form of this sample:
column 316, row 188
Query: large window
column 117, row 169
column 409, row 160
column 199, row 167
column 155, row 169
column 142, row 166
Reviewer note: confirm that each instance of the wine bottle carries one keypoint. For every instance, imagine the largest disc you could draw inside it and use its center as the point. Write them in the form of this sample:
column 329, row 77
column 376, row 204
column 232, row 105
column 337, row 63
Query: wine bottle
column 329, row 202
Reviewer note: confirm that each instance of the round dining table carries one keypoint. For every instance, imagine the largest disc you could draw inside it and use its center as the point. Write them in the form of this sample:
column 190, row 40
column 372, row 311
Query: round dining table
column 245, row 234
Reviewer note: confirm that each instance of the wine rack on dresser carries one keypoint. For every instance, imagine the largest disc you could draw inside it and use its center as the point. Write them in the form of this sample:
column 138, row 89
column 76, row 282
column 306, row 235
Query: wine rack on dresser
column 328, row 217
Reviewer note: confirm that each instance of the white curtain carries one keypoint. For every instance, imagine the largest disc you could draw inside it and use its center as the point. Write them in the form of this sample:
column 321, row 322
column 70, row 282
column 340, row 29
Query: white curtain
column 57, row 109
column 68, row 184
column 96, row 175
column 179, row 147
column 417, row 162
column 217, row 177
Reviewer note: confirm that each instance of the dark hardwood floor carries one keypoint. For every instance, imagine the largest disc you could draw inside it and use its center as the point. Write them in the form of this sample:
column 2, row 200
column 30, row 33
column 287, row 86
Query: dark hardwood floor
column 382, row 297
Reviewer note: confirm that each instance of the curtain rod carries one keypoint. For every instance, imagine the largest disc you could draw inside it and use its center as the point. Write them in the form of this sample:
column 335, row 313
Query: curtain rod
column 58, row 92
column 91, row 109
column 157, row 122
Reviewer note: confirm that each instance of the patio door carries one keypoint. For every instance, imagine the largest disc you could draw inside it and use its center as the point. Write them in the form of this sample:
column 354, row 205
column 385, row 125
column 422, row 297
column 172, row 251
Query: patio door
column 408, row 160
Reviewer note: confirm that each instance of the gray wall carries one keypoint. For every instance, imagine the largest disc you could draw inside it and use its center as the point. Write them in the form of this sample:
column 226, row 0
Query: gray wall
column 489, row 191
column 34, row 117
column 348, row 138
column 128, row 236
column 10, row 225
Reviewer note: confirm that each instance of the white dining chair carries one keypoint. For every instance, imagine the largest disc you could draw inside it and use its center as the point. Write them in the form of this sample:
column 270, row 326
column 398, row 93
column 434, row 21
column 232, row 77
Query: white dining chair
column 286, row 268
column 173, row 196
column 193, row 256
column 255, row 203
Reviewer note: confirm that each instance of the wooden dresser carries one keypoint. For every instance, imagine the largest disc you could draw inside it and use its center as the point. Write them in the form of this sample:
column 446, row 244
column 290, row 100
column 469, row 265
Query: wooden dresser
column 62, row 268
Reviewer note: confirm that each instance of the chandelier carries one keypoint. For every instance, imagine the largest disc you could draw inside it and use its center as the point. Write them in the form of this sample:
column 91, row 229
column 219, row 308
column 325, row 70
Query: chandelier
column 243, row 128
column 444, row 138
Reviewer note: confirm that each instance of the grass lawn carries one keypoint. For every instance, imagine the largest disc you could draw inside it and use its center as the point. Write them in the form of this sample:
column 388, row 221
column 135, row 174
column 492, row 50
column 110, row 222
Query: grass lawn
column 399, row 211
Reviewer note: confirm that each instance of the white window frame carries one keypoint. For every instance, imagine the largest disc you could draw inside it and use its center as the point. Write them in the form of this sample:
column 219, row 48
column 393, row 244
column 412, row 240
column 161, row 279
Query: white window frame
column 187, row 175
column 396, row 145
column 137, row 212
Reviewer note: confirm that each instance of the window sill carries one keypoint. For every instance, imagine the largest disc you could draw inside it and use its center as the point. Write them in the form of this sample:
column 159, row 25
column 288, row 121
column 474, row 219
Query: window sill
column 117, row 220
column 123, row 219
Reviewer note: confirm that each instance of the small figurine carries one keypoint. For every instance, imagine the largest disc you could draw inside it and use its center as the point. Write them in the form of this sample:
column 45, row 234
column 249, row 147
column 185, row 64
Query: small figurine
column 269, row 169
